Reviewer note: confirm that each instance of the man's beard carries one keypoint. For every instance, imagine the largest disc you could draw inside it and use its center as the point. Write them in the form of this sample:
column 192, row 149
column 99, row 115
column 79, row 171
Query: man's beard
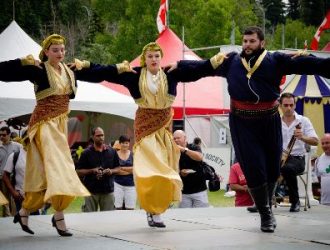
column 98, row 143
column 254, row 52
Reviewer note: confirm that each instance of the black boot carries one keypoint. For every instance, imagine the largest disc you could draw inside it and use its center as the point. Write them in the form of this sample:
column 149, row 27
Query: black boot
column 271, row 192
column 252, row 209
column 260, row 196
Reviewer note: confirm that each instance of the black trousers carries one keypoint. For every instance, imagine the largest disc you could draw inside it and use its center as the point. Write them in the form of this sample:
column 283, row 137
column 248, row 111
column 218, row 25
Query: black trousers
column 258, row 147
column 294, row 166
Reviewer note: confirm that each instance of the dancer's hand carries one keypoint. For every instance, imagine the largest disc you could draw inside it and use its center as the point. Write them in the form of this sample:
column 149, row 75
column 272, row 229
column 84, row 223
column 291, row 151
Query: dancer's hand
column 37, row 63
column 78, row 65
column 299, row 53
column 125, row 67
column 30, row 61
column 172, row 66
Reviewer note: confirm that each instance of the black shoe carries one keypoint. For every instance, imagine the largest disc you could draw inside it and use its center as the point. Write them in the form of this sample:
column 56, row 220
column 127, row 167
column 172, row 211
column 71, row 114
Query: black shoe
column 295, row 207
column 252, row 209
column 261, row 199
column 25, row 228
column 159, row 224
column 153, row 223
column 59, row 231
column 150, row 220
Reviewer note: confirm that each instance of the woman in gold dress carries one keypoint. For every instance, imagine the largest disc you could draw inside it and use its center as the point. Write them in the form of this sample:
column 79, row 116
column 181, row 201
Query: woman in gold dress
column 3, row 200
column 156, row 155
column 50, row 173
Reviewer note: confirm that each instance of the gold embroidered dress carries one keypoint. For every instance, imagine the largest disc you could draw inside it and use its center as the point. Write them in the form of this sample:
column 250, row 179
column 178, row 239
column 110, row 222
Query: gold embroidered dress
column 3, row 199
column 156, row 156
column 50, row 172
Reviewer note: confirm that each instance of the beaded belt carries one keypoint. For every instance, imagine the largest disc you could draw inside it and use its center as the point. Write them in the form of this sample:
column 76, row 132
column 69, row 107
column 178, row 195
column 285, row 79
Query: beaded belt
column 254, row 113
column 251, row 110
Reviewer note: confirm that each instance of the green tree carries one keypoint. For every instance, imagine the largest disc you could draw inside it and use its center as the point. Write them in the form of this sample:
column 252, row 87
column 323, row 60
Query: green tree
column 293, row 9
column 211, row 22
column 132, row 29
column 274, row 12
column 294, row 37
column 312, row 11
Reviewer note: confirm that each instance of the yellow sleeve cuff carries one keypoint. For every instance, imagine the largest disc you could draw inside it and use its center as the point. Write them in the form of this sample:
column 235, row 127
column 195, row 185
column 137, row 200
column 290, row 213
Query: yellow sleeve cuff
column 81, row 64
column 217, row 60
column 28, row 60
column 123, row 67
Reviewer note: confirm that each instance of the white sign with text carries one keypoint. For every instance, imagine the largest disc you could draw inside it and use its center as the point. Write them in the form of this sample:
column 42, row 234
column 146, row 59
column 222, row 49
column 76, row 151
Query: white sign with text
column 220, row 159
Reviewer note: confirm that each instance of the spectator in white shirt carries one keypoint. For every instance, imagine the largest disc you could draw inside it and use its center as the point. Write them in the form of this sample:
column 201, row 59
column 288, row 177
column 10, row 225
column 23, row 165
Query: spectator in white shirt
column 322, row 167
column 305, row 135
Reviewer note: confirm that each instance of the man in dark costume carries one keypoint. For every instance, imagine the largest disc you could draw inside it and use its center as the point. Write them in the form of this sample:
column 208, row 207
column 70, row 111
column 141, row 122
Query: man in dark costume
column 253, row 79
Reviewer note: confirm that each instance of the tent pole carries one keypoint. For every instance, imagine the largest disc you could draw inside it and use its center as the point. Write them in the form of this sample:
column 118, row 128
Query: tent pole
column 13, row 9
column 184, row 85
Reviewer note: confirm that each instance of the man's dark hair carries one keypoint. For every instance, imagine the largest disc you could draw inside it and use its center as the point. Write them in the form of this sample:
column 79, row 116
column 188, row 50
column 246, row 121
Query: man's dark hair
column 255, row 30
column 287, row 95
column 124, row 138
column 197, row 141
column 94, row 130
column 7, row 129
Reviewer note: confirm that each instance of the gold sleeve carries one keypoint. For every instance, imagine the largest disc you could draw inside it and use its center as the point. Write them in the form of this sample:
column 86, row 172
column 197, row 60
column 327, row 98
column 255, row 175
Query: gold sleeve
column 217, row 60
column 123, row 67
column 28, row 60
column 81, row 64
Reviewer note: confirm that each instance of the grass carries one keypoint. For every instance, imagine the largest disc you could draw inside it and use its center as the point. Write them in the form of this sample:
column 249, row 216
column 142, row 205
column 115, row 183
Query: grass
column 216, row 199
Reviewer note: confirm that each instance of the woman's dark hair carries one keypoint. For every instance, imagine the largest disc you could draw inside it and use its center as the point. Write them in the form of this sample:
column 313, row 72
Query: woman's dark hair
column 123, row 138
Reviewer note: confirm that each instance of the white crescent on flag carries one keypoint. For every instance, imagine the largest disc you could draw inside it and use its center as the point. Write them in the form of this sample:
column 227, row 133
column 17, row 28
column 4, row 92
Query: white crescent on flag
column 161, row 17
column 324, row 26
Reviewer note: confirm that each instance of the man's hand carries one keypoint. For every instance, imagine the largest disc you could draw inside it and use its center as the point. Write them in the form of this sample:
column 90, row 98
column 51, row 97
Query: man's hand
column 172, row 66
column 17, row 196
column 298, row 133
column 107, row 171
column 98, row 172
column 299, row 53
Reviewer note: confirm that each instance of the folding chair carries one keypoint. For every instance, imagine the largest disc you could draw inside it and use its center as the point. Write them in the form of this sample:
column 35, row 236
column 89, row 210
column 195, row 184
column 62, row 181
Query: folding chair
column 304, row 177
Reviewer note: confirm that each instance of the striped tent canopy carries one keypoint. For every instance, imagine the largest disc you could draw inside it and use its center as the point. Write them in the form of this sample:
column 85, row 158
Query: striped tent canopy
column 313, row 100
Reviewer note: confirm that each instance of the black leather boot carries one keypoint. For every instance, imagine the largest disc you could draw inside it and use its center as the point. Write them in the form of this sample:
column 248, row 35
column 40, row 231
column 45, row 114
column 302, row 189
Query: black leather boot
column 271, row 192
column 260, row 196
column 252, row 209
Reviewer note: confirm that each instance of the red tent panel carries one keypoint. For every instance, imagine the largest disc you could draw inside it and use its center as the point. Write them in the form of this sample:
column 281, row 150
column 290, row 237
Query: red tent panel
column 326, row 47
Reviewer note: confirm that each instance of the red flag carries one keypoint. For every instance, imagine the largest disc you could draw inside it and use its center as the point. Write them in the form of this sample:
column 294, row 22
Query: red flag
column 161, row 17
column 324, row 26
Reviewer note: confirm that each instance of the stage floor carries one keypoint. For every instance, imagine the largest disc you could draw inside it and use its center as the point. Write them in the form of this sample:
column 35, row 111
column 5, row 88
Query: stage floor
column 204, row 228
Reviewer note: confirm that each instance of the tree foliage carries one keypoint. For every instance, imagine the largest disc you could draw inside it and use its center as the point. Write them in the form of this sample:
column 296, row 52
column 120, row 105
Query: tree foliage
column 313, row 11
column 109, row 31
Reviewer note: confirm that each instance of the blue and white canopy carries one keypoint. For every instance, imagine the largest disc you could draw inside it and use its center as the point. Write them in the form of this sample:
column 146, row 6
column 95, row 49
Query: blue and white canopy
column 308, row 86
column 313, row 93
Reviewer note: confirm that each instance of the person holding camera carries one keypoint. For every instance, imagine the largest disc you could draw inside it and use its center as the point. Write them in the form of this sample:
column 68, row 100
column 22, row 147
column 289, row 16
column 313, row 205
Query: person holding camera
column 194, row 192
column 96, row 167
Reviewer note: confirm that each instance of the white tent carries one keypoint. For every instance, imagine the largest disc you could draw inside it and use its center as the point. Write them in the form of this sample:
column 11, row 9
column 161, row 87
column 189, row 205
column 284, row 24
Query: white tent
column 17, row 98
